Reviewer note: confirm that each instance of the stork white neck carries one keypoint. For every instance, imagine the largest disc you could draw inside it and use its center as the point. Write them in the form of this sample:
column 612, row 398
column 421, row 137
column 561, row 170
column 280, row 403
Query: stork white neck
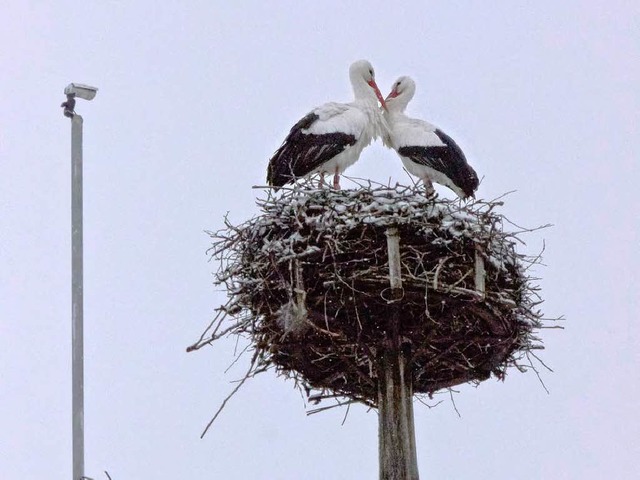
column 363, row 82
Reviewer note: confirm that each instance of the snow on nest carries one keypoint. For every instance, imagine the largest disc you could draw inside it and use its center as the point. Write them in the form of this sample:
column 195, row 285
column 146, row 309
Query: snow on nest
column 337, row 212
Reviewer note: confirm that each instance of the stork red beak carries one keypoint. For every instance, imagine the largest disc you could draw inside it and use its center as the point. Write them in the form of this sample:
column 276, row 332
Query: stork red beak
column 373, row 85
column 392, row 94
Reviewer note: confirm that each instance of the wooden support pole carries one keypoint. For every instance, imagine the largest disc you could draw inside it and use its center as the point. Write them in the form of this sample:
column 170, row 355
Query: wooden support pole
column 396, row 434
column 395, row 267
column 479, row 272
column 299, row 290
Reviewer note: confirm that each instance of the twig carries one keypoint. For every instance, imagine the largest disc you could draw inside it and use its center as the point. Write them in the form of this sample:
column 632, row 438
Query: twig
column 537, row 373
column 233, row 392
column 346, row 414
column 454, row 403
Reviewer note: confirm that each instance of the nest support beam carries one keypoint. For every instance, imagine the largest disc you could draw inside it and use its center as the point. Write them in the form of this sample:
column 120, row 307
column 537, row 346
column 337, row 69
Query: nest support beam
column 396, row 433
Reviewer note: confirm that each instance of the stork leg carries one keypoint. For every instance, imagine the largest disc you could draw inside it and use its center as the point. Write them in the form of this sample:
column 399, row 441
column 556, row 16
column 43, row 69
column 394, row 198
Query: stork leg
column 336, row 181
column 430, row 191
column 321, row 182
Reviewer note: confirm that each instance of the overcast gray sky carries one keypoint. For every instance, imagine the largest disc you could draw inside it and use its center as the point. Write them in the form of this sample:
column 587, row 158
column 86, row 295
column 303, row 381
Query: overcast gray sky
column 194, row 98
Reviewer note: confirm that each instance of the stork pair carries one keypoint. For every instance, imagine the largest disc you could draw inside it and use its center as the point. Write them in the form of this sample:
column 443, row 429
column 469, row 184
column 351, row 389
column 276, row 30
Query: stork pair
column 331, row 137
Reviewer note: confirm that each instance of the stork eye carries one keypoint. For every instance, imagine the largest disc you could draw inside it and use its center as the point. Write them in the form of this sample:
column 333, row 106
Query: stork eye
column 371, row 72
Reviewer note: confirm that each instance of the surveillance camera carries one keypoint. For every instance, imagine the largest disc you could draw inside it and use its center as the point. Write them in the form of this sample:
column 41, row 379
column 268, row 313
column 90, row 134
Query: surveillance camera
column 82, row 91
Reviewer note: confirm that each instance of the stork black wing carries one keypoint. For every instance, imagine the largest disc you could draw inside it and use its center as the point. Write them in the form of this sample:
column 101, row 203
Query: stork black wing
column 447, row 159
column 301, row 153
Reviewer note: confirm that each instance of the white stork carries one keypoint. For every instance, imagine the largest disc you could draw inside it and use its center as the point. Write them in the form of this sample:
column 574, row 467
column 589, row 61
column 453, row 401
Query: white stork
column 331, row 137
column 425, row 150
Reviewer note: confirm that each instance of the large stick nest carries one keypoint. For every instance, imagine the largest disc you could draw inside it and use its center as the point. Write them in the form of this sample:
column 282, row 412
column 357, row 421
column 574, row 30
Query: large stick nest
column 308, row 284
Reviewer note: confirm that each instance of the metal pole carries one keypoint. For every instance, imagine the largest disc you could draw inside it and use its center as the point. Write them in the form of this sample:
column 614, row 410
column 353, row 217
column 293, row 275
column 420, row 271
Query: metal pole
column 86, row 92
column 77, row 333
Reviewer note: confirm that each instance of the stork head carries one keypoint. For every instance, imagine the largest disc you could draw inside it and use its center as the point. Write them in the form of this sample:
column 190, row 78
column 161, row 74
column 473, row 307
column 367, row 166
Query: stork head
column 401, row 94
column 363, row 80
